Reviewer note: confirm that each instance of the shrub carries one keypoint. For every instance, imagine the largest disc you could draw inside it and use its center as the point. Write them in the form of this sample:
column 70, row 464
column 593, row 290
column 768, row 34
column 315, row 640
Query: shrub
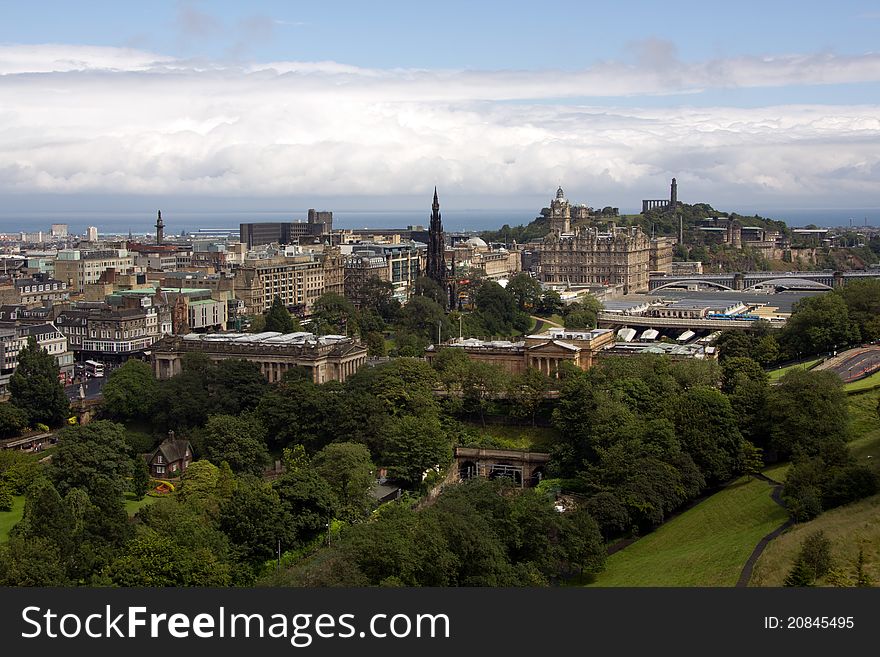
column 13, row 420
column 6, row 500
column 816, row 553
column 848, row 484
column 799, row 575
column 805, row 503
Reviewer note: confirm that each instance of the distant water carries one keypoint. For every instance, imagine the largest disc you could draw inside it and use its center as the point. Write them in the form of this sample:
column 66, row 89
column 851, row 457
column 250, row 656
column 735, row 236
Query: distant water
column 456, row 220
column 122, row 222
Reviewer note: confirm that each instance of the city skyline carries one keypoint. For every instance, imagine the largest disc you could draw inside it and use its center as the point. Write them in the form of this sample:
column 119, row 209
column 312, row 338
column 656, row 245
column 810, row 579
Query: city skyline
column 208, row 106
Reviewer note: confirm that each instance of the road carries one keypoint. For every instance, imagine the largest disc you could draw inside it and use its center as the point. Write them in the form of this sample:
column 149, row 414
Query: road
column 91, row 386
column 855, row 363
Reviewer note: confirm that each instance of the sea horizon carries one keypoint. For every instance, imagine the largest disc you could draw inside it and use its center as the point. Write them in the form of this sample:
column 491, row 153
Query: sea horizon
column 139, row 223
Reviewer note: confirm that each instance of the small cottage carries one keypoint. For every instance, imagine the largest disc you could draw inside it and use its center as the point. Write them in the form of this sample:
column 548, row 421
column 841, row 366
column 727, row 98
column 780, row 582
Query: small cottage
column 170, row 459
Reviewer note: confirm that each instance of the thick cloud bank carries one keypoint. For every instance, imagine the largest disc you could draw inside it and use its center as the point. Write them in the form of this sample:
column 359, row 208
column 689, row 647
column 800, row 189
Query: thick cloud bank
column 105, row 120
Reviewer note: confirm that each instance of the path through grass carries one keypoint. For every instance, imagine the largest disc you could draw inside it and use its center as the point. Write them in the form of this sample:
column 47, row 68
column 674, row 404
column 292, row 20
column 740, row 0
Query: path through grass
column 849, row 528
column 704, row 546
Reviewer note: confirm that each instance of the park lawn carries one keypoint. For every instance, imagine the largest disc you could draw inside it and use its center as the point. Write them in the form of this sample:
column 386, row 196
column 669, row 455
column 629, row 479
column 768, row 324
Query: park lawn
column 863, row 384
column 848, row 527
column 8, row 519
column 132, row 506
column 775, row 375
column 707, row 545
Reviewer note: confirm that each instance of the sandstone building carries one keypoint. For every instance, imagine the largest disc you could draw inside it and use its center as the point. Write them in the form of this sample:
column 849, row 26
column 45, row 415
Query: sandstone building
column 621, row 257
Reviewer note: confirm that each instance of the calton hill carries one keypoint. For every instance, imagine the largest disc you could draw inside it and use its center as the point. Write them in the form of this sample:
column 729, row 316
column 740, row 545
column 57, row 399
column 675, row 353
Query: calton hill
column 661, row 472
column 851, row 249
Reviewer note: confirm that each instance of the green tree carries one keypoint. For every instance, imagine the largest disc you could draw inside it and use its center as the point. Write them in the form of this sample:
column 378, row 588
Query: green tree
column 375, row 342
column 31, row 562
column 551, row 303
column 430, row 289
column 238, row 440
column 130, row 393
column 732, row 369
column 526, row 391
column 452, row 366
column 482, row 384
column 159, row 561
column 199, row 482
column 18, row 470
column 140, row 478
column 308, row 500
column 862, row 299
column 799, row 575
column 421, row 317
column 254, row 520
column 257, row 323
column 707, row 429
column 300, row 411
column 35, row 387
column 498, row 310
column 808, row 414
column 819, row 324
column 13, row 420
column 279, row 318
column 6, row 499
column 863, row 579
column 751, row 460
column 235, row 386
column 526, row 291
column 333, row 313
column 415, row 445
column 91, row 456
column 378, row 296
column 816, row 553
column 583, row 314
column 349, row 470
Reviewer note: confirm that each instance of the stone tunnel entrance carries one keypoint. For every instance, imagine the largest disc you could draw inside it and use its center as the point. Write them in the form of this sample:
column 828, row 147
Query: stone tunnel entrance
column 524, row 468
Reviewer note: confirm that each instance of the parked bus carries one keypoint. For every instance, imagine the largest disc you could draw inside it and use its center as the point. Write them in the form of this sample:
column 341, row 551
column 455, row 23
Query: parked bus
column 94, row 368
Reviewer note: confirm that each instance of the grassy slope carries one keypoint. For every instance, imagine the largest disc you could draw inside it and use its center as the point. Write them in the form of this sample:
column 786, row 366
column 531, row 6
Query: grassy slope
column 863, row 384
column 705, row 546
column 775, row 375
column 849, row 527
column 8, row 519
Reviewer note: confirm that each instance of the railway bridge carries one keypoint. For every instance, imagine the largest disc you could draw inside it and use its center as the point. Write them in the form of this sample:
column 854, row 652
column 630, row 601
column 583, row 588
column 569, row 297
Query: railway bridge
column 797, row 280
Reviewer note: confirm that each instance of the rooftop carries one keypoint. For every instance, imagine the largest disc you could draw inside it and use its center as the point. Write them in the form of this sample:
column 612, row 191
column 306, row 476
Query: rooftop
column 267, row 338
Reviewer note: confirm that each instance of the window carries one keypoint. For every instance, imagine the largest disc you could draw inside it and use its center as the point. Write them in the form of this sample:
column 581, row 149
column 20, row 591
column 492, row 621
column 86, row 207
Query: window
column 160, row 469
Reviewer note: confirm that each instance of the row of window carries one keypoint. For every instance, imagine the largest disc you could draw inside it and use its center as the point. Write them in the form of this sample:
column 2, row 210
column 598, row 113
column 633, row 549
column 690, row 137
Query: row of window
column 30, row 289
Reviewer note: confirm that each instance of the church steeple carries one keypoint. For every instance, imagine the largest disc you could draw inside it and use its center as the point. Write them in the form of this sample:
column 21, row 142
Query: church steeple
column 160, row 229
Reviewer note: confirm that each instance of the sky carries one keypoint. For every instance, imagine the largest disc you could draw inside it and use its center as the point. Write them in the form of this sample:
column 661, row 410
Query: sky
column 353, row 105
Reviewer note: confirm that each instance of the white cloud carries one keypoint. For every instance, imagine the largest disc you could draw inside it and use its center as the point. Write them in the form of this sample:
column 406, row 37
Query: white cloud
column 103, row 120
